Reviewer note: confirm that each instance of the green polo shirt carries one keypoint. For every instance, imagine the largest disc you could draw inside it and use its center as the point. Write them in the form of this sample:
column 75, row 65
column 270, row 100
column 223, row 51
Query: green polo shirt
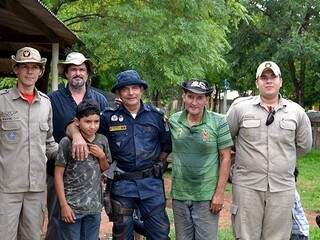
column 195, row 155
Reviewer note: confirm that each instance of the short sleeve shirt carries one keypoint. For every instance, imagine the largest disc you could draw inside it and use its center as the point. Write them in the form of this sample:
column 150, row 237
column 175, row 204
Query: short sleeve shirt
column 82, row 178
column 195, row 154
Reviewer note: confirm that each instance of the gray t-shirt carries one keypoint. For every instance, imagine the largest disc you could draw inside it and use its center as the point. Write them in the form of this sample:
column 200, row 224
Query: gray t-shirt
column 82, row 183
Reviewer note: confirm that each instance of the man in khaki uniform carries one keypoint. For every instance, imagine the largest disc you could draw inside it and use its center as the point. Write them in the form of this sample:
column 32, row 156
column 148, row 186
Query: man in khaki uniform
column 269, row 132
column 26, row 142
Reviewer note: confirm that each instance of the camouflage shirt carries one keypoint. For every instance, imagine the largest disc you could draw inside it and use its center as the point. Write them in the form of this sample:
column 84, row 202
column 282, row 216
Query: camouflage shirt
column 82, row 185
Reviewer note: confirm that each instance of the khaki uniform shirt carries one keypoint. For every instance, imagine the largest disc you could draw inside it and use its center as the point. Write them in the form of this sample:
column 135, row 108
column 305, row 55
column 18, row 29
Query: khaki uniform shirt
column 266, row 155
column 25, row 141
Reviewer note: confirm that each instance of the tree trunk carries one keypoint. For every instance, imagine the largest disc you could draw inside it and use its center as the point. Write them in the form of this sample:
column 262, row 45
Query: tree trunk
column 297, row 83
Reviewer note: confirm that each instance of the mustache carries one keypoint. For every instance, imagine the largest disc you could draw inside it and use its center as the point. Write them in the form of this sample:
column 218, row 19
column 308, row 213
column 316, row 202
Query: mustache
column 77, row 77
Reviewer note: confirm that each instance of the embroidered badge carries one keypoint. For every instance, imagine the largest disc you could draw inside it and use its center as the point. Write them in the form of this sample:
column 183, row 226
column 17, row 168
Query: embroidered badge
column 11, row 136
column 26, row 53
column 7, row 116
column 118, row 128
column 205, row 135
column 114, row 118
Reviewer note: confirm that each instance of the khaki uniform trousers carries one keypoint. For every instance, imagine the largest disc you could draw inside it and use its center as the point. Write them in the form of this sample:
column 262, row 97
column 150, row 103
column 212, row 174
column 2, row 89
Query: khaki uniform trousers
column 261, row 215
column 21, row 215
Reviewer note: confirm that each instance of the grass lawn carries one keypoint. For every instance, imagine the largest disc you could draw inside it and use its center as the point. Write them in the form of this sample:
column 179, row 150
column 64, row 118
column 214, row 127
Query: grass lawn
column 308, row 186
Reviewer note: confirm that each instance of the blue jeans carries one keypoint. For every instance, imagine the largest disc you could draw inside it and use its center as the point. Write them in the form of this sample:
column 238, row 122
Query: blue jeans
column 86, row 227
column 194, row 220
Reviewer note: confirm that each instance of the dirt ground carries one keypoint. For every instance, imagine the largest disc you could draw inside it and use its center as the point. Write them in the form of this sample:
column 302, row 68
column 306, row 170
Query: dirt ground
column 224, row 221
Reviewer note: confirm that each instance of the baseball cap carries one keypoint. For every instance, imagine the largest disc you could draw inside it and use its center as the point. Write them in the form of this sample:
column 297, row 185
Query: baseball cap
column 268, row 65
column 28, row 55
column 197, row 86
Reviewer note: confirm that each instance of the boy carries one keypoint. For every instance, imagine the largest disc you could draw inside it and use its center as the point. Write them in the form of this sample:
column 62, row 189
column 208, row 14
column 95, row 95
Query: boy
column 78, row 182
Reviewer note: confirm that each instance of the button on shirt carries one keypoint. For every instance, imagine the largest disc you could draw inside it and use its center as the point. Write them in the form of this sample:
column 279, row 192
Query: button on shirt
column 135, row 144
column 266, row 155
column 25, row 141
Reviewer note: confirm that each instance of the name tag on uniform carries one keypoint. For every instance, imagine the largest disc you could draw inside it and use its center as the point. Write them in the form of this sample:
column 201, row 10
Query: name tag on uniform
column 118, row 128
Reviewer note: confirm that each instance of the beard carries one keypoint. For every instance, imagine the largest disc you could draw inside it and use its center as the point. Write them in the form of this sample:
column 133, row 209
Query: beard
column 77, row 82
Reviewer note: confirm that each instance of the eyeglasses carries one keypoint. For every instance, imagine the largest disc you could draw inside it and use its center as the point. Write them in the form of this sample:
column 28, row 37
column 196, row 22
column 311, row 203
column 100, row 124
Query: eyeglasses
column 270, row 117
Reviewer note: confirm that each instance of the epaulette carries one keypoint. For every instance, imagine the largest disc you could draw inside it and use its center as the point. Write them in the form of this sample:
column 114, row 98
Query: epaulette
column 110, row 109
column 242, row 99
column 156, row 109
column 4, row 91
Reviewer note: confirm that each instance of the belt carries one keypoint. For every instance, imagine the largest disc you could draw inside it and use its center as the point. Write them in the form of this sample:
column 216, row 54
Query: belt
column 154, row 171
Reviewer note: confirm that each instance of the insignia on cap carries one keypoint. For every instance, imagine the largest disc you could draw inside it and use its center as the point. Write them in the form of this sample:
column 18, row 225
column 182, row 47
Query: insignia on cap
column 198, row 84
column 268, row 65
column 26, row 53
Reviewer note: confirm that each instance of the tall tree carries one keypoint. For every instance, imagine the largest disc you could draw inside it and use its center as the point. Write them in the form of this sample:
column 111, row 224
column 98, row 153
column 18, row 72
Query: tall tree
column 166, row 41
column 287, row 32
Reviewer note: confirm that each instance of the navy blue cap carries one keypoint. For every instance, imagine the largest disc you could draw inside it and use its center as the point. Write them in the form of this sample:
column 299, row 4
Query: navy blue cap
column 197, row 86
column 129, row 77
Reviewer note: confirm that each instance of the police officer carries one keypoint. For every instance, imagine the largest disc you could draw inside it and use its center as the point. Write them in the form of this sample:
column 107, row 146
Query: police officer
column 139, row 141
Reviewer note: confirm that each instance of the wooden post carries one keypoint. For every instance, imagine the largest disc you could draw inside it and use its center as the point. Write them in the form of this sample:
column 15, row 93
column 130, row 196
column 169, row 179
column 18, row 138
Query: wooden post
column 54, row 67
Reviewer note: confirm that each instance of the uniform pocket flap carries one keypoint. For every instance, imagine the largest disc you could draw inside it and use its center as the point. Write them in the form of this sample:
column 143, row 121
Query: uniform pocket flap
column 251, row 123
column 234, row 209
column 10, row 125
column 44, row 126
column 288, row 125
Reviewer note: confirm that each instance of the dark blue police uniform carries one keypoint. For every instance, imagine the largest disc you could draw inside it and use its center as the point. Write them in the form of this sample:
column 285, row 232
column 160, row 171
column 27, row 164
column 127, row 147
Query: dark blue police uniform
column 135, row 145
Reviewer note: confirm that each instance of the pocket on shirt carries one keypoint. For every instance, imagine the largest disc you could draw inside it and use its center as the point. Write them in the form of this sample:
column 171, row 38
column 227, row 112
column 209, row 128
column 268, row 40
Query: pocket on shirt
column 44, row 128
column 250, row 129
column 10, row 131
column 288, row 130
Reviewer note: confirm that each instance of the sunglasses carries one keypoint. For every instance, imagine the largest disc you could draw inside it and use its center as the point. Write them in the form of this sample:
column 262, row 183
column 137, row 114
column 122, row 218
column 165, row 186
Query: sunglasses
column 270, row 117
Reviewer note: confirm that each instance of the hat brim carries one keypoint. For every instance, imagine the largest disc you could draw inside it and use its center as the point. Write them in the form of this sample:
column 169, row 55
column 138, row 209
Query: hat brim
column 62, row 65
column 15, row 61
column 140, row 83
column 209, row 91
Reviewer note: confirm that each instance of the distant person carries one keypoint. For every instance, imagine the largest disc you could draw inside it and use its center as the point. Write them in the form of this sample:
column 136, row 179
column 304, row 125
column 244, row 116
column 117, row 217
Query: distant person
column 300, row 225
column 78, row 182
column 270, row 132
column 26, row 143
column 201, row 153
column 77, row 69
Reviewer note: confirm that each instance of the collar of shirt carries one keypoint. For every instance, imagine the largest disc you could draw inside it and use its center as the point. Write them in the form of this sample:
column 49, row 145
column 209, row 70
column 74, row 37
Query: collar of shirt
column 183, row 118
column 282, row 102
column 67, row 92
column 143, row 107
column 15, row 94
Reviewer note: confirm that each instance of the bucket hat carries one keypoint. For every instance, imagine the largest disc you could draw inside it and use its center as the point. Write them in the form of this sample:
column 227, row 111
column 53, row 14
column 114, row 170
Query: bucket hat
column 197, row 86
column 75, row 58
column 28, row 55
column 128, row 77
column 268, row 65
